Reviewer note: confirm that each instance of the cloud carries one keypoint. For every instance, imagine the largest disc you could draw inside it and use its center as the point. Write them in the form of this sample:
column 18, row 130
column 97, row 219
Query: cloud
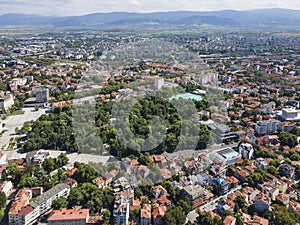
column 79, row 7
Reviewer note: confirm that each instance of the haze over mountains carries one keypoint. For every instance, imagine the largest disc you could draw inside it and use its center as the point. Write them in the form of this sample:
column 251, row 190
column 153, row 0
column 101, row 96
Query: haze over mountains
column 247, row 19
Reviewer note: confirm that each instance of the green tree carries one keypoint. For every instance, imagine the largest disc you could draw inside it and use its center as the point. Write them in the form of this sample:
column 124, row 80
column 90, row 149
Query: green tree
column 13, row 172
column 28, row 181
column 174, row 216
column 59, row 203
column 288, row 139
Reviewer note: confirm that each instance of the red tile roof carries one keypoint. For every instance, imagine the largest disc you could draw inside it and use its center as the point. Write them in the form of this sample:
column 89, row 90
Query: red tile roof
column 68, row 214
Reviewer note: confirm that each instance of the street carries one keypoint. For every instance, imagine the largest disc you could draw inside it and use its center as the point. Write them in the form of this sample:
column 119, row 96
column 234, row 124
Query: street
column 192, row 216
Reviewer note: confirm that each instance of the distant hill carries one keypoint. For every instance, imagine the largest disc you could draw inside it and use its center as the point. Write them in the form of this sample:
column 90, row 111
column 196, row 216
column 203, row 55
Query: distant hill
column 247, row 19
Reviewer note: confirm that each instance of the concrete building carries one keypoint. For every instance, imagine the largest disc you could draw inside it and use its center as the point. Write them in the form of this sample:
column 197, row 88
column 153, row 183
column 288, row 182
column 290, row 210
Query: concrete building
column 268, row 127
column 289, row 114
column 220, row 186
column 6, row 101
column 68, row 217
column 43, row 202
column 226, row 156
column 246, row 150
column 22, row 212
column 159, row 83
column 196, row 194
column 1, row 126
column 222, row 132
column 6, row 187
column 42, row 95
column 121, row 211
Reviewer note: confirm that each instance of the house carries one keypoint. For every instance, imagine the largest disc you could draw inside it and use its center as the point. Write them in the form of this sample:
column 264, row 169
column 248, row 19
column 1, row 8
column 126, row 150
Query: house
column 225, row 205
column 100, row 182
column 158, row 191
column 68, row 217
column 261, row 203
column 71, row 182
column 196, row 194
column 240, row 174
column 232, row 182
column 287, row 171
column 260, row 163
column 146, row 214
column 21, row 199
column 136, row 205
column 249, row 194
column 255, row 220
column 158, row 214
column 283, row 199
column 229, row 220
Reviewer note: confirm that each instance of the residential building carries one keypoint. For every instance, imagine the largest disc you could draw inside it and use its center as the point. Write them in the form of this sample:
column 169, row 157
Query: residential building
column 42, row 95
column 69, row 217
column 246, row 150
column 289, row 114
column 196, row 194
column 158, row 214
column 260, row 163
column 43, row 203
column 229, row 220
column 21, row 199
column 220, row 185
column 268, row 127
column 222, row 132
column 6, row 101
column 287, row 171
column 121, row 211
column 6, row 187
column 146, row 214
column 159, row 83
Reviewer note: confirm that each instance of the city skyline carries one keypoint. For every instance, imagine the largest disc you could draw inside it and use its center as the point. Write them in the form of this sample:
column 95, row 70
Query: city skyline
column 78, row 7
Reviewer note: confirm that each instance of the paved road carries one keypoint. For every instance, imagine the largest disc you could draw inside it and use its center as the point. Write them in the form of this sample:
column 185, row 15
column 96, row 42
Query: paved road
column 12, row 122
column 74, row 157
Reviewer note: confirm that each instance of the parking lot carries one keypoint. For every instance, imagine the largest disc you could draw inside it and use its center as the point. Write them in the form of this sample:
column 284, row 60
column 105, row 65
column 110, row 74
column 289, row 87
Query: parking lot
column 17, row 121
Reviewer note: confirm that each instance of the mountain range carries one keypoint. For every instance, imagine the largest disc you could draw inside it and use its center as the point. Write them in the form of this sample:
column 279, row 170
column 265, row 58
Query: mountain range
column 248, row 19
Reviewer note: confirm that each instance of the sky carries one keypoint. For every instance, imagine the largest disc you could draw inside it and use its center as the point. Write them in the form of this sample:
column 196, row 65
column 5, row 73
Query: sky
column 81, row 7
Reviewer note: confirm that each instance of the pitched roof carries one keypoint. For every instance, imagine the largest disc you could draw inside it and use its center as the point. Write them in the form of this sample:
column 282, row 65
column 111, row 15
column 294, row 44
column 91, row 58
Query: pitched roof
column 68, row 214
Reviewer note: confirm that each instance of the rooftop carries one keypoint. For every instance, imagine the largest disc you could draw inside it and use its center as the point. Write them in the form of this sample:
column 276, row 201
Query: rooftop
column 69, row 214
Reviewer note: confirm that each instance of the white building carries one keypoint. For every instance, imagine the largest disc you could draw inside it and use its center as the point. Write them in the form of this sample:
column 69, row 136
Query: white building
column 268, row 127
column 226, row 156
column 289, row 114
column 159, row 83
column 22, row 212
column 6, row 101
column 246, row 150
column 1, row 126
column 6, row 187
column 121, row 211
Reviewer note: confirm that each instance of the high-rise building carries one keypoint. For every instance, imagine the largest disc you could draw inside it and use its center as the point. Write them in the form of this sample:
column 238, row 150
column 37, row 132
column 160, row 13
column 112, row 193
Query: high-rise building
column 42, row 95
column 159, row 83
